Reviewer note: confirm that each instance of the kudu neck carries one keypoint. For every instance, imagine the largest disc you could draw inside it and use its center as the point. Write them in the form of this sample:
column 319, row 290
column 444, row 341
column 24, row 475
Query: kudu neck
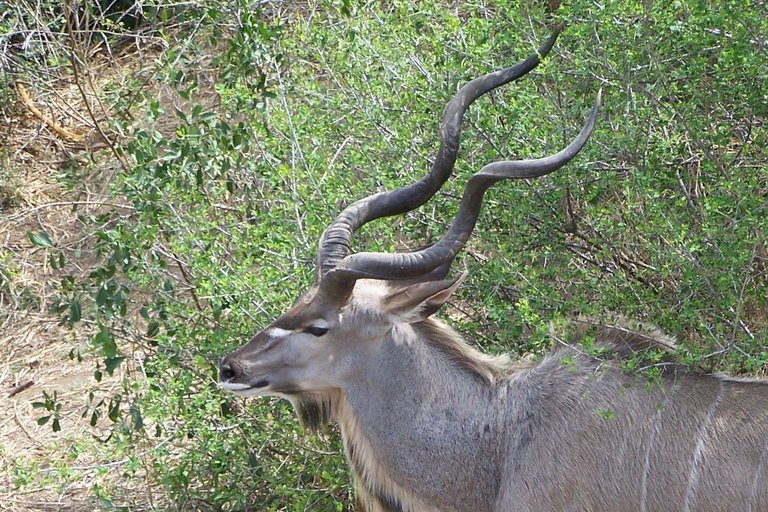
column 411, row 419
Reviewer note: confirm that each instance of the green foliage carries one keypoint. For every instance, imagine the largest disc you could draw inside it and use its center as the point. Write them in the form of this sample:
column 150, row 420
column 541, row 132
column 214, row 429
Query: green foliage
column 662, row 218
column 51, row 405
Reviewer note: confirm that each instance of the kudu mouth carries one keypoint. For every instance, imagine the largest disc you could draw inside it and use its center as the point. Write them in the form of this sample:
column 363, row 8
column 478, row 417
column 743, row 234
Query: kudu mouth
column 260, row 387
column 231, row 373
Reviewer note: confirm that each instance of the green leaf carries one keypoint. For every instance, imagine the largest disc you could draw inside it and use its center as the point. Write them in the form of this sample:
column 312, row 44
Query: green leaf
column 153, row 327
column 40, row 239
column 138, row 420
column 112, row 363
column 106, row 341
column 75, row 311
column 114, row 409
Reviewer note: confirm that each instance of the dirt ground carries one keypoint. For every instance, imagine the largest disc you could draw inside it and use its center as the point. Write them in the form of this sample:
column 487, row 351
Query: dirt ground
column 49, row 137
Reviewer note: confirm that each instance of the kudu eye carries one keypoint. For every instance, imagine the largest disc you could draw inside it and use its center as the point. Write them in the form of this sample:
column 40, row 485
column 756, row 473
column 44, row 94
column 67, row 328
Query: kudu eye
column 316, row 330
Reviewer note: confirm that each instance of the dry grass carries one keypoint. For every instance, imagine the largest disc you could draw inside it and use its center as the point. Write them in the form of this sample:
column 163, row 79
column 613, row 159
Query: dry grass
column 42, row 469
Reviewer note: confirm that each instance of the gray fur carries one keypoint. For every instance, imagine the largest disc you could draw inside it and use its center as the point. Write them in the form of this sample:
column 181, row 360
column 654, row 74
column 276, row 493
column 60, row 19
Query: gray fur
column 430, row 424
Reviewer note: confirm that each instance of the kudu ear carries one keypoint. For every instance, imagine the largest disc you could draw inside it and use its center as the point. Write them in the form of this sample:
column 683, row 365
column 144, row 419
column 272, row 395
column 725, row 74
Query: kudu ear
column 416, row 302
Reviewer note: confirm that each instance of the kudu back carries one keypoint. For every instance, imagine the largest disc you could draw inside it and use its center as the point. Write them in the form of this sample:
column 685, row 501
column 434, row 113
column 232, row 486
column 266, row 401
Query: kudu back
column 431, row 424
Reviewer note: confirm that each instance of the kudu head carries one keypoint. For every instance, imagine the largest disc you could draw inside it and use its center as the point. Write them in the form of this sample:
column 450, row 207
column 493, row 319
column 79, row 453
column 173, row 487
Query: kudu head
column 357, row 299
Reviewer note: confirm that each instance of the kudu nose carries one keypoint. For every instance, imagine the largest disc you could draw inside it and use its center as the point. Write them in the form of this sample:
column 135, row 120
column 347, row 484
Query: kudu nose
column 227, row 372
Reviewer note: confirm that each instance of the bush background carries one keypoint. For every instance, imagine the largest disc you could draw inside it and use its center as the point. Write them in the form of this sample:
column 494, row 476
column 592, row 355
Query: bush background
column 214, row 140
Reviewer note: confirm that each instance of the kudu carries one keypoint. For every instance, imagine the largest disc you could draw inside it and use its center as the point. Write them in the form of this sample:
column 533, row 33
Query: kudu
column 431, row 424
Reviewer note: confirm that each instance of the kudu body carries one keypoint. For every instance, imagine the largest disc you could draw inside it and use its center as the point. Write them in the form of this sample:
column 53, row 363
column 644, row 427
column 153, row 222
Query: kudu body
column 430, row 424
